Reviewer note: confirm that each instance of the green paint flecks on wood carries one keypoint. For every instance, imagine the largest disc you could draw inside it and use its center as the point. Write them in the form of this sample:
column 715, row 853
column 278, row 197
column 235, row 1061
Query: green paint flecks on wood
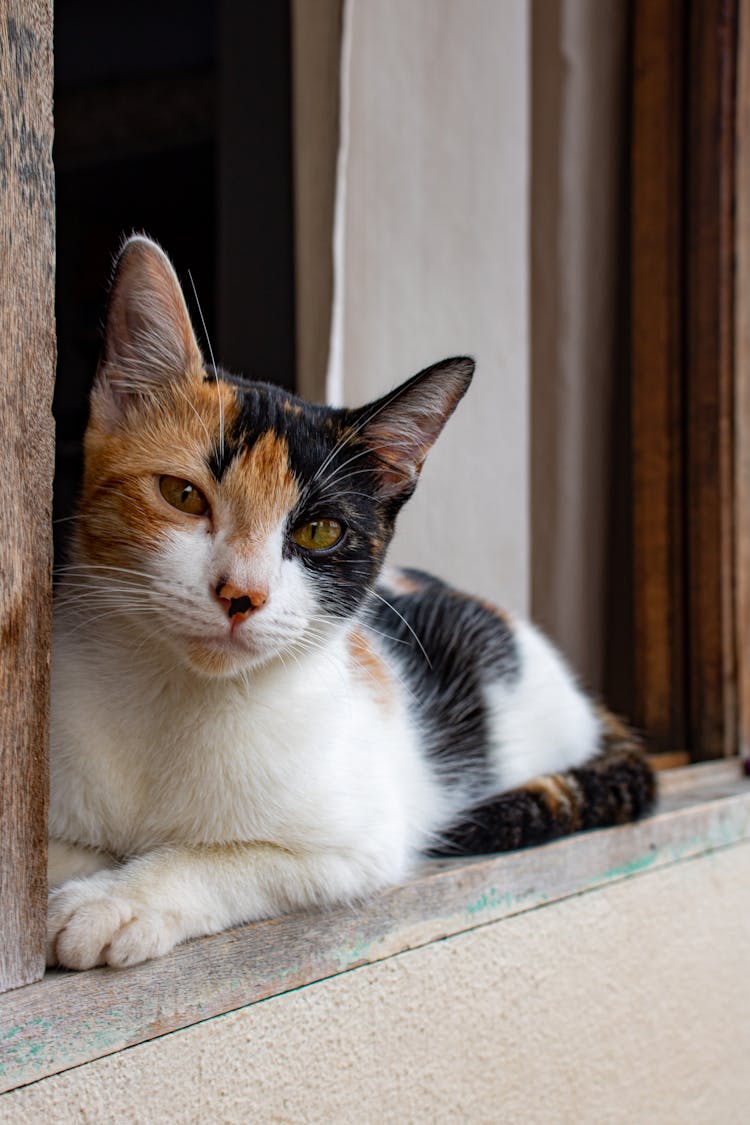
column 631, row 867
column 492, row 900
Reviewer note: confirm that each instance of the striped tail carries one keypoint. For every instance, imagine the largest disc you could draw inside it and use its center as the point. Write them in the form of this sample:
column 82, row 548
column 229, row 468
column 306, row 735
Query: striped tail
column 614, row 787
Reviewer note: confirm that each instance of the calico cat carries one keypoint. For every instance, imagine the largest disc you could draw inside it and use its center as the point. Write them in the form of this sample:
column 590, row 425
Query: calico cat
column 252, row 714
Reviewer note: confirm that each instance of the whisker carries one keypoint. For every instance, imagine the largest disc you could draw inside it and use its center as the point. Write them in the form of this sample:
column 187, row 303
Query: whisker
column 406, row 623
column 113, row 612
column 386, row 636
column 136, row 500
column 373, row 450
column 70, row 567
column 213, row 364
column 352, row 433
column 182, row 394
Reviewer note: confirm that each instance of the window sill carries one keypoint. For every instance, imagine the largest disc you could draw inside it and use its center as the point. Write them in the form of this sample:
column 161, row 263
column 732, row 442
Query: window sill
column 68, row 1018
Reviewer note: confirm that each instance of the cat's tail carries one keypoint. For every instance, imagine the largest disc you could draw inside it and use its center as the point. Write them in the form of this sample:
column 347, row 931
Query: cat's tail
column 614, row 787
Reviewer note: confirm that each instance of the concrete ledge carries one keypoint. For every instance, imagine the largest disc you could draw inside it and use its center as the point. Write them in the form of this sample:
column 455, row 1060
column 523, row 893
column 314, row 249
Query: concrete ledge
column 69, row 1019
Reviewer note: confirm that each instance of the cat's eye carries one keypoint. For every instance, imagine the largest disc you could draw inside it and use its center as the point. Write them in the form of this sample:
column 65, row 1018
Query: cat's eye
column 183, row 495
column 318, row 535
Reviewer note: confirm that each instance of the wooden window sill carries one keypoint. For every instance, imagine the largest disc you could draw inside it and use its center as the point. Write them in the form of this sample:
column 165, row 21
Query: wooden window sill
column 71, row 1018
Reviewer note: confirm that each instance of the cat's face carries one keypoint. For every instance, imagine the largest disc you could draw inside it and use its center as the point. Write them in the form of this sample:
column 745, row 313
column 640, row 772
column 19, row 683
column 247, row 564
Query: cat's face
column 228, row 519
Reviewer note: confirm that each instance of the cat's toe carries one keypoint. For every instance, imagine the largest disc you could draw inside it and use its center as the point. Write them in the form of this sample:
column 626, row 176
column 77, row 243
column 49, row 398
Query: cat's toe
column 148, row 934
column 80, row 938
column 87, row 928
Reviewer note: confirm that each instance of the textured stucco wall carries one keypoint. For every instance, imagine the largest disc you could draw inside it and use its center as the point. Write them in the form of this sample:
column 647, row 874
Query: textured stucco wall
column 627, row 1004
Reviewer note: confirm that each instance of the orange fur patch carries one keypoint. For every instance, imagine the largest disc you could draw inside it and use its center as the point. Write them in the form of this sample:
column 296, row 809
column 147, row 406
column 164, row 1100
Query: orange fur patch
column 170, row 433
column 261, row 486
column 615, row 733
column 173, row 433
column 496, row 611
column 369, row 667
column 562, row 799
column 398, row 582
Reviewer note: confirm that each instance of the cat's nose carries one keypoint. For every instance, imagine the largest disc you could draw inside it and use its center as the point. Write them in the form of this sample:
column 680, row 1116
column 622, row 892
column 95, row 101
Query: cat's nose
column 237, row 603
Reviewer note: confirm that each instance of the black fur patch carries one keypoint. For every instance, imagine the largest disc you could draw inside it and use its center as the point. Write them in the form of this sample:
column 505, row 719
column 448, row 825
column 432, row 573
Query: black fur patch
column 517, row 819
column 615, row 787
column 449, row 646
column 336, row 475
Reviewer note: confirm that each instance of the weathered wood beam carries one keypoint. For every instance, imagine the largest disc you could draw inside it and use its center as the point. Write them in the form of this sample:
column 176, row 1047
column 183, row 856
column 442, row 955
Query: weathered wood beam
column 27, row 368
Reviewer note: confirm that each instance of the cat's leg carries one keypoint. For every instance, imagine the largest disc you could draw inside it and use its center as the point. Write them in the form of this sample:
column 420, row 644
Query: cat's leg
column 148, row 905
column 66, row 861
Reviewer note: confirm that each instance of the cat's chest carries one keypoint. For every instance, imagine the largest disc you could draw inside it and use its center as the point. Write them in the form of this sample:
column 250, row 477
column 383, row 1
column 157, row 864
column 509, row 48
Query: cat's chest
column 214, row 766
column 203, row 778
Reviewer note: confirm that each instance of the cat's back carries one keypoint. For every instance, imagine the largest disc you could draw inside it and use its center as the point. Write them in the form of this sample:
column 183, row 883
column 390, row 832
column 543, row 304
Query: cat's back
column 448, row 640
column 495, row 701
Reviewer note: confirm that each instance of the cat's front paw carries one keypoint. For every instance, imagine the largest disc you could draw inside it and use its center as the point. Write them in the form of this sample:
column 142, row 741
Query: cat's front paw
column 88, row 926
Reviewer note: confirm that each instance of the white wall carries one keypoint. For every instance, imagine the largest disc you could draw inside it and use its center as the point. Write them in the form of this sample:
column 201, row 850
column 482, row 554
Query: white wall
column 432, row 260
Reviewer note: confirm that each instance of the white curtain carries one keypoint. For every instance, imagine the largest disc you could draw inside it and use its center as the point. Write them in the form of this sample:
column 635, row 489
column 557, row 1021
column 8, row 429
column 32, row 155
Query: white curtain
column 481, row 208
column 579, row 272
column 431, row 260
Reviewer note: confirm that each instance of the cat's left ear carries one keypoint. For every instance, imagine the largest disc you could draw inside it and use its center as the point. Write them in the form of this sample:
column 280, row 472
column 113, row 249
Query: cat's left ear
column 148, row 337
column 401, row 427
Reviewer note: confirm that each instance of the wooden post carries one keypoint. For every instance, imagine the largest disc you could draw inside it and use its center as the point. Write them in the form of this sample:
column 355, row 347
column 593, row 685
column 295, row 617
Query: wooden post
column 27, row 365
column 710, row 378
column 742, row 375
column 688, row 395
column 657, row 265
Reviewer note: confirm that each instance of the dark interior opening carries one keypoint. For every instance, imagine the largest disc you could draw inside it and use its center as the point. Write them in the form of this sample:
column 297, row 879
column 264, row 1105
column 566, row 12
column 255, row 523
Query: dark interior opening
column 172, row 117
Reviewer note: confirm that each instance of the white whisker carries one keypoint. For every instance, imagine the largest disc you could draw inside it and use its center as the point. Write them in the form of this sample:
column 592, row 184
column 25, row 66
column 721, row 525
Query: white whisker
column 213, row 364
column 406, row 623
column 195, row 412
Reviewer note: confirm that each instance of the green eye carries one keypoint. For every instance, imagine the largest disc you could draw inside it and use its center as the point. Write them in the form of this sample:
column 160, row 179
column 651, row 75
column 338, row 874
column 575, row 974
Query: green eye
column 183, row 496
column 318, row 535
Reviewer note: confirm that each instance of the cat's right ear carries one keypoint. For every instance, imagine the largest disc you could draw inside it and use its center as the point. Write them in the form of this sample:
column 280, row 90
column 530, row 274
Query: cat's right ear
column 148, row 337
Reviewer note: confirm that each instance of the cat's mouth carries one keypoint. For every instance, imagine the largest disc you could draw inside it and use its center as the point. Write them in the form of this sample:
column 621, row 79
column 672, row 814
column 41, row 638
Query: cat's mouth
column 220, row 654
column 233, row 640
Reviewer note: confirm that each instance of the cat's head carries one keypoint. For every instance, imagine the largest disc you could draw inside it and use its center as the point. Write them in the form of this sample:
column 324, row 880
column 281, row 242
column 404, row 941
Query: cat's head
column 228, row 518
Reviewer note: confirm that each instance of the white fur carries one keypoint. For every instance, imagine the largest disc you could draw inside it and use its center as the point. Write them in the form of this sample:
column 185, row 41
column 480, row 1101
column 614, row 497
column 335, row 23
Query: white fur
column 207, row 771
column 542, row 723
column 192, row 563
column 237, row 797
column 245, row 796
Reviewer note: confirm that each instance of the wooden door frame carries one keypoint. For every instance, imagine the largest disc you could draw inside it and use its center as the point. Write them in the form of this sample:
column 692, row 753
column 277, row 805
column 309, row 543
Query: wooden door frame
column 27, row 369
column 691, row 412
column 689, row 669
column 742, row 375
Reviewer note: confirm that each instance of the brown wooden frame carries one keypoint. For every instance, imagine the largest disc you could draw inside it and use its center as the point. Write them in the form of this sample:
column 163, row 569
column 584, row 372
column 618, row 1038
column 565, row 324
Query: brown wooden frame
column 685, row 381
column 742, row 373
column 656, row 358
column 27, row 367
column 691, row 410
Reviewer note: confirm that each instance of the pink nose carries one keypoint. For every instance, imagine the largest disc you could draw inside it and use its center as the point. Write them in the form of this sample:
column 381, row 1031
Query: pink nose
column 237, row 603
